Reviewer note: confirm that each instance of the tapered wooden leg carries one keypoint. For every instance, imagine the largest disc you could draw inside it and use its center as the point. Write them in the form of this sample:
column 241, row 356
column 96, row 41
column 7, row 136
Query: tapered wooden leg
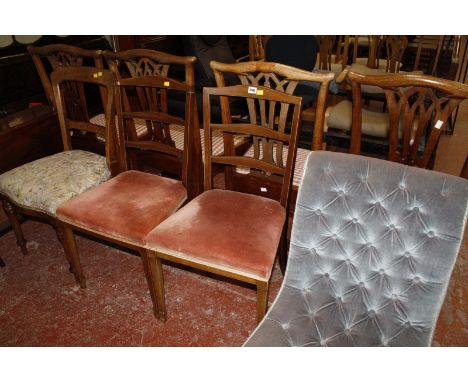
column 15, row 224
column 150, row 281
column 157, row 283
column 59, row 232
column 262, row 299
column 71, row 251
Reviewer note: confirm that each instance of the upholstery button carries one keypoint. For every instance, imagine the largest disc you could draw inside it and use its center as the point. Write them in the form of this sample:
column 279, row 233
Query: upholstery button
column 391, row 226
column 341, row 193
column 407, row 254
column 334, row 236
column 355, row 221
column 371, row 313
column 326, row 275
column 377, row 204
column 407, row 324
column 318, row 211
column 384, row 342
column 347, row 332
column 368, row 245
column 361, row 285
column 338, row 299
column 348, row 261
column 416, row 209
column 381, row 271
column 430, row 233
column 402, row 186
column 323, row 342
column 394, row 297
column 416, row 280
column 285, row 326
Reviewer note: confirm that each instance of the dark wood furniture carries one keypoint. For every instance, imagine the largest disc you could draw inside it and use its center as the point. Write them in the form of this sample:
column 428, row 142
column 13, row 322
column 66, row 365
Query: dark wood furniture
column 126, row 208
column 419, row 108
column 177, row 108
column 229, row 233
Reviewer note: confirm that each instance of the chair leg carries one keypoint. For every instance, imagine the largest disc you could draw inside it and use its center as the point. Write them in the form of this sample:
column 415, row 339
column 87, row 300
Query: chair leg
column 262, row 299
column 157, row 284
column 150, row 281
column 71, row 251
column 12, row 215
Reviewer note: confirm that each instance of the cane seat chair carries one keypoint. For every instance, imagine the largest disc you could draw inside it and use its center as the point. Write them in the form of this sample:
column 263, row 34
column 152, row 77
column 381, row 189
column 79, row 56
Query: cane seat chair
column 373, row 245
column 283, row 78
column 126, row 208
column 39, row 187
column 419, row 108
column 227, row 232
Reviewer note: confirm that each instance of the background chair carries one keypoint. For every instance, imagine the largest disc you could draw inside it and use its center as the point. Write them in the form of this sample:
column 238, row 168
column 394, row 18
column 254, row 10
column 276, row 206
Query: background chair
column 38, row 188
column 126, row 208
column 419, row 108
column 231, row 233
column 266, row 74
column 373, row 246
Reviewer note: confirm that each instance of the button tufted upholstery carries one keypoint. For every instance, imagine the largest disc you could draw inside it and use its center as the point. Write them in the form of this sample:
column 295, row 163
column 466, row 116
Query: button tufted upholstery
column 372, row 249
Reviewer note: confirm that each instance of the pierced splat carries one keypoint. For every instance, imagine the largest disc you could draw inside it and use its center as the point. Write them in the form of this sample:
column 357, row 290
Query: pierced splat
column 146, row 67
column 419, row 108
column 64, row 59
column 268, row 114
column 425, row 114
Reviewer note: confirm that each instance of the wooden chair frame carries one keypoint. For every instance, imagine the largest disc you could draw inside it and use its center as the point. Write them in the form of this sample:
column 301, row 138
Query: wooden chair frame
column 61, row 75
column 263, row 94
column 422, row 99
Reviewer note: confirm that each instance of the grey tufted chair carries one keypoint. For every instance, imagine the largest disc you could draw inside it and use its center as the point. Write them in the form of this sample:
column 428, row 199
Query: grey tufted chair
column 372, row 249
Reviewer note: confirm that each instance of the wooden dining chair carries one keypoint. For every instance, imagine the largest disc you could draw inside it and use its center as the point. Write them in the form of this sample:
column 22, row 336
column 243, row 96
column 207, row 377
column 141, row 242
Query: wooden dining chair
column 419, row 108
column 39, row 187
column 126, row 208
column 138, row 63
column 227, row 232
column 333, row 53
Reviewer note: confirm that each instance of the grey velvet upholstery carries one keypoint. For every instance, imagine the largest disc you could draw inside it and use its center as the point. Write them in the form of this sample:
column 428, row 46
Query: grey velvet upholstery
column 373, row 246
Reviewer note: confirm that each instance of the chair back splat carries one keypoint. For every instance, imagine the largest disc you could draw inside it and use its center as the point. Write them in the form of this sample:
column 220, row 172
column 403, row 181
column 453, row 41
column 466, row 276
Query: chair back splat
column 158, row 114
column 373, row 245
column 50, row 57
column 419, row 109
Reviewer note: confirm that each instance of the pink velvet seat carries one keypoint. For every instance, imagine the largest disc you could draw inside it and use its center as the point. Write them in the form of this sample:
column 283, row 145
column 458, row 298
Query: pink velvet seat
column 126, row 207
column 226, row 229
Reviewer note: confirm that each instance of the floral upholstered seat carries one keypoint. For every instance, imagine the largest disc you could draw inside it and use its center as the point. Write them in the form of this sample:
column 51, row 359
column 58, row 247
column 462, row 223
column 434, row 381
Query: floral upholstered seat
column 44, row 184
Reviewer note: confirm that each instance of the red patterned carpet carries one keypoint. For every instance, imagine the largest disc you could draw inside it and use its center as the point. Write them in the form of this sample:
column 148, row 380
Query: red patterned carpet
column 41, row 305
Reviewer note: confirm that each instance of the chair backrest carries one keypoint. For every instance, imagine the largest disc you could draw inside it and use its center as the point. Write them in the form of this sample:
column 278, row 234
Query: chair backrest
column 280, row 77
column 424, row 103
column 373, row 245
column 272, row 125
column 428, row 49
column 257, row 44
column 396, row 46
column 49, row 57
column 61, row 78
column 147, row 96
column 332, row 49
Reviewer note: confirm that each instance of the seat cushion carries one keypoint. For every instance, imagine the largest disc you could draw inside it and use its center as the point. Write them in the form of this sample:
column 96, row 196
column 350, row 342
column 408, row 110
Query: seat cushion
column 126, row 207
column 44, row 184
column 224, row 229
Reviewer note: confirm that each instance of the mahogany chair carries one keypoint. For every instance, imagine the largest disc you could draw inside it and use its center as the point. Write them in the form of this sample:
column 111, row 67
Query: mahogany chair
column 126, row 208
column 286, row 79
column 257, row 44
column 419, row 108
column 139, row 63
column 39, row 187
column 226, row 232
column 48, row 58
